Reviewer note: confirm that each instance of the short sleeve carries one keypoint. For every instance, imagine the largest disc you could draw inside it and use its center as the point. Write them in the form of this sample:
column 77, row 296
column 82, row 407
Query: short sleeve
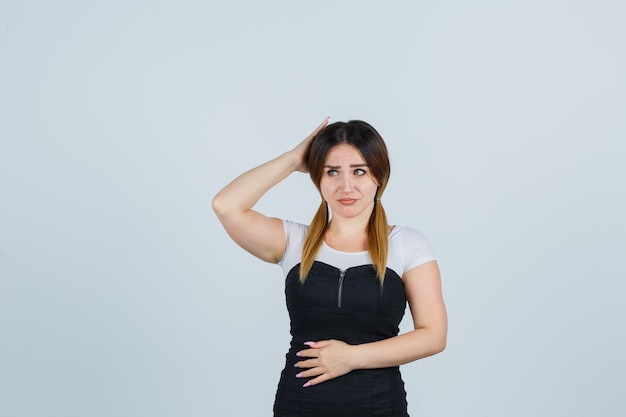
column 294, row 234
column 416, row 249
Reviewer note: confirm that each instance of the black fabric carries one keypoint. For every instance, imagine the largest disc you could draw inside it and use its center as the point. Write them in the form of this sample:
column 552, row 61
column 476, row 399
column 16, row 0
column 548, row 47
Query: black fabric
column 356, row 309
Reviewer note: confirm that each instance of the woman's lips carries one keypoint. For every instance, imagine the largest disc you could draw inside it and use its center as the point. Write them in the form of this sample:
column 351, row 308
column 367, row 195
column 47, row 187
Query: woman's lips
column 347, row 201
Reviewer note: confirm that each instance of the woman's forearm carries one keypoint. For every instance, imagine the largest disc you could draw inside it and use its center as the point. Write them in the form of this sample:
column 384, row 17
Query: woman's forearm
column 399, row 350
column 247, row 189
column 328, row 359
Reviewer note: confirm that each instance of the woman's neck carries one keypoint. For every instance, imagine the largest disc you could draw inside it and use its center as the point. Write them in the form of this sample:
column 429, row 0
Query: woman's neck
column 346, row 228
column 347, row 234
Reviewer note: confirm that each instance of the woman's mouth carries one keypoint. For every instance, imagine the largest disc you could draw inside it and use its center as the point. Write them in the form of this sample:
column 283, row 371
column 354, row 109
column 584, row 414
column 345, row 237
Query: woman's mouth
column 347, row 201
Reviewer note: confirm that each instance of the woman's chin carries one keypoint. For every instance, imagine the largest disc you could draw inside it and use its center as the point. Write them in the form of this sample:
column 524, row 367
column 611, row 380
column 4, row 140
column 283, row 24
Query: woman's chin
column 347, row 212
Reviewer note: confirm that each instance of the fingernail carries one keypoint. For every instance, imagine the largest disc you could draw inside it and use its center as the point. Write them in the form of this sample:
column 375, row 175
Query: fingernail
column 306, row 385
column 295, row 365
column 299, row 375
column 297, row 353
column 309, row 343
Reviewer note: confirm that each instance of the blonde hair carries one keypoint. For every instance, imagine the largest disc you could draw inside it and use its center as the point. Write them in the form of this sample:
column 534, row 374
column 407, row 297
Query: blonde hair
column 370, row 144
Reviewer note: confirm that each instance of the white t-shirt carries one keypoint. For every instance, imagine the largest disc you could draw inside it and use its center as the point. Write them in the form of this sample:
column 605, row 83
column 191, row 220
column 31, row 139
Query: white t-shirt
column 408, row 248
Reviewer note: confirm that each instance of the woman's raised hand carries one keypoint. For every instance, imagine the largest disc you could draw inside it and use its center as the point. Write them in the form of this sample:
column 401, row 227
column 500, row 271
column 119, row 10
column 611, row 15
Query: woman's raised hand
column 302, row 149
column 261, row 235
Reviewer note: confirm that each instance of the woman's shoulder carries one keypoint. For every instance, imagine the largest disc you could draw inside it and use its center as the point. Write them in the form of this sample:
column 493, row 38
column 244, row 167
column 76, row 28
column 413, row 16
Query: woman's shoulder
column 406, row 233
column 295, row 229
column 410, row 247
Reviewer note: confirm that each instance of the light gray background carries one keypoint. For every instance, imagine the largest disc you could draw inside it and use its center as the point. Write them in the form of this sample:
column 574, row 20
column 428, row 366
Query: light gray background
column 120, row 294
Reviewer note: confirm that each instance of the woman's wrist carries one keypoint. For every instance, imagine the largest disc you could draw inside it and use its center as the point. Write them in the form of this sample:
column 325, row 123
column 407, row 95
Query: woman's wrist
column 295, row 162
column 356, row 356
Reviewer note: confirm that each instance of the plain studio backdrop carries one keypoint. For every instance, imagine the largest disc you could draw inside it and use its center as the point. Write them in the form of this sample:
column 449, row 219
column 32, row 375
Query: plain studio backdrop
column 120, row 293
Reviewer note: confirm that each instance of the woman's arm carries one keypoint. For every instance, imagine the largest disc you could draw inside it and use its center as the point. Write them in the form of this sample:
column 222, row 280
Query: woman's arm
column 260, row 235
column 333, row 358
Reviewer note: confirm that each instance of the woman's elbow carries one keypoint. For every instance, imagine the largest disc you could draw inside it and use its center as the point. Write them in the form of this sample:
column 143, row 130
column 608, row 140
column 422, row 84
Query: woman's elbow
column 441, row 341
column 219, row 206
column 441, row 344
column 438, row 343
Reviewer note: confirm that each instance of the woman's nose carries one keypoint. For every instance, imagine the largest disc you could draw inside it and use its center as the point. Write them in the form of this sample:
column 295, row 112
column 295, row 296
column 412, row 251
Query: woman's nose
column 347, row 183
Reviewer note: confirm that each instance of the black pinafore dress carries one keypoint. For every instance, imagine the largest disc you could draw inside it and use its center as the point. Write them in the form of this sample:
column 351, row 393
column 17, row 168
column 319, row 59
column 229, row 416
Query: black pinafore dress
column 349, row 305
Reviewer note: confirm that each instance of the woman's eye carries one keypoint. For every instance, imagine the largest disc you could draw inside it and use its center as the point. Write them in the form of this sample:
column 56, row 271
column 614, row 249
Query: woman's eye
column 332, row 172
column 359, row 171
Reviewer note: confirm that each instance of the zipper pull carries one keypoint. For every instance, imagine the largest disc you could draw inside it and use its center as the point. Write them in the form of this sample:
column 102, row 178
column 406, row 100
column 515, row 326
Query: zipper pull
column 342, row 274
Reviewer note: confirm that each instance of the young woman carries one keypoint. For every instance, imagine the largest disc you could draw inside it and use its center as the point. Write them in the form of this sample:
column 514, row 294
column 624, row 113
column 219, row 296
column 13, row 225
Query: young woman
column 349, row 276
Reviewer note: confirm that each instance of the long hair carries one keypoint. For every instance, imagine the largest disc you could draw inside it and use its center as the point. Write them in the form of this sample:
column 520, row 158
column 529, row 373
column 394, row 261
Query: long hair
column 368, row 141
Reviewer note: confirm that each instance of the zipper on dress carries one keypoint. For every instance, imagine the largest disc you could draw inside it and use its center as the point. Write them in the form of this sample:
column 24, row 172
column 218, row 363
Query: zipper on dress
column 342, row 274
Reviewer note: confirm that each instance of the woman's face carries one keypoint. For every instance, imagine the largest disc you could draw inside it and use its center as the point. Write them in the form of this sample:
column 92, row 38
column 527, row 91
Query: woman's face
column 347, row 183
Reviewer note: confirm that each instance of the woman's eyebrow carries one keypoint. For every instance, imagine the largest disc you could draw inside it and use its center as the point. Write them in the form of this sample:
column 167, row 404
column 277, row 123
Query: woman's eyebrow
column 339, row 166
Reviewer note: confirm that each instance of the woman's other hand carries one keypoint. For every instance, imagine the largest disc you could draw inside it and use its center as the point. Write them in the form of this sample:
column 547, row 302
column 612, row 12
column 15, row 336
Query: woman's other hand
column 328, row 359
